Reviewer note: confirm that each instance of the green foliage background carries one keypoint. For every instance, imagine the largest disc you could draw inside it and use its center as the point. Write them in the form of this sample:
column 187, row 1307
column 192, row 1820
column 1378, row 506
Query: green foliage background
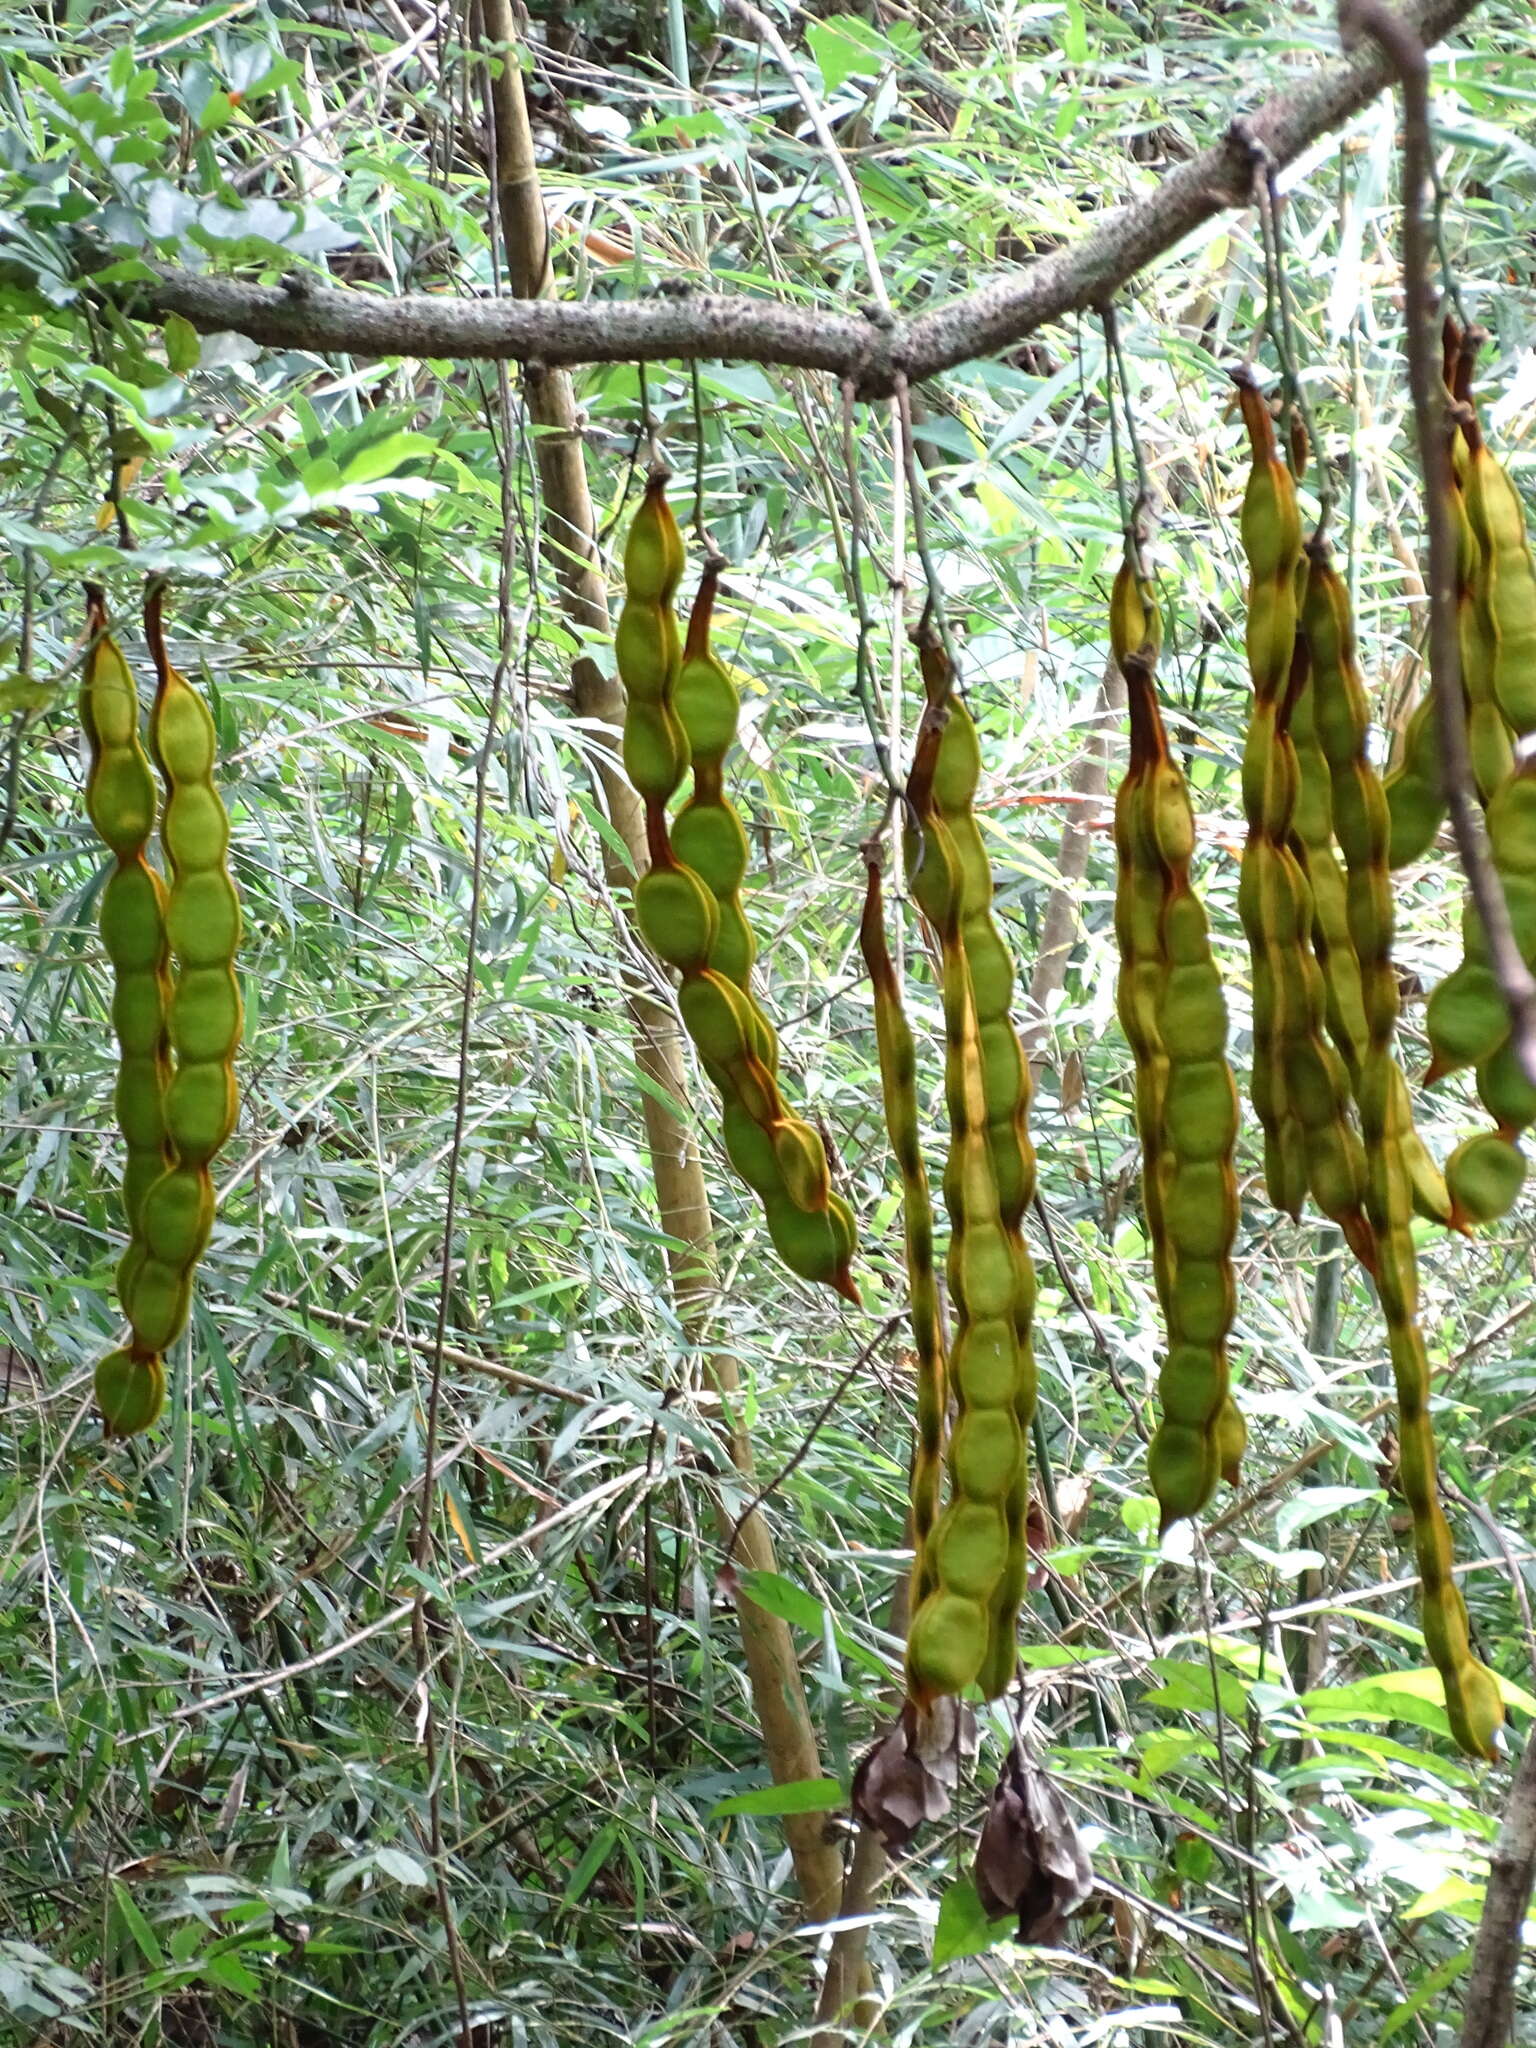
column 213, row 1795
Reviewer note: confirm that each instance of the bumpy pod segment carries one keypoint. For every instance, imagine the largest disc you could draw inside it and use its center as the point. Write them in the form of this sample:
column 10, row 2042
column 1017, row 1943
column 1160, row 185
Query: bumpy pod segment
column 707, row 833
column 681, row 707
column 1351, row 809
column 1496, row 622
column 202, row 918
column 898, row 1087
column 1361, row 822
column 1300, row 1087
column 121, row 801
column 964, row 1630
column 1506, row 593
column 1174, row 1016
column 1312, row 840
column 1467, row 1020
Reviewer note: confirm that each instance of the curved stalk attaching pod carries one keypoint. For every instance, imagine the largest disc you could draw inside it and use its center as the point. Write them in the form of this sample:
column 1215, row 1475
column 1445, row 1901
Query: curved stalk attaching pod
column 898, row 1088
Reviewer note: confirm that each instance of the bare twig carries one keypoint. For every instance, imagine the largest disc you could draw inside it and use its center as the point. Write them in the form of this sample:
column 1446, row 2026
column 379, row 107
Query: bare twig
column 771, row 1486
column 1059, row 928
column 815, row 113
column 1398, row 38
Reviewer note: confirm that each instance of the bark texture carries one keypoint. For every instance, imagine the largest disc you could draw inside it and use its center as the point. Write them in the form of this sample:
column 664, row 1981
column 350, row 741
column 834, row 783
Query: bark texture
column 874, row 353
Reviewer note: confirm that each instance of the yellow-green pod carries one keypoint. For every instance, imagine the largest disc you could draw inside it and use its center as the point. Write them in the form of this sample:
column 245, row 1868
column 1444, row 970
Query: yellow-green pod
column 682, row 706
column 1173, row 1013
column 963, row 1629
column 204, row 1016
column 1397, row 1169
column 130, row 1392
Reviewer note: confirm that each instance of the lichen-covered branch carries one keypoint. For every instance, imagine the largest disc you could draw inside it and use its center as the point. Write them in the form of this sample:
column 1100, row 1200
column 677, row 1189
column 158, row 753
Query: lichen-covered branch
column 872, row 352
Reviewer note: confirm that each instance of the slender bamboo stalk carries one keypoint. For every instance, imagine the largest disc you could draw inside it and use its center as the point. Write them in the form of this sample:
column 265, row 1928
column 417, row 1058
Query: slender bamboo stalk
column 682, row 1200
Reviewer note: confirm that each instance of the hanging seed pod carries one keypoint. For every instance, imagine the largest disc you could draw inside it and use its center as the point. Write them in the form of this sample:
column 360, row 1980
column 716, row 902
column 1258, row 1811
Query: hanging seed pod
column 1174, row 1015
column 1300, row 1088
column 1506, row 598
column 121, row 801
column 1468, row 1021
column 707, row 834
column 1006, row 1092
column 646, row 648
column 1415, row 806
column 898, row 1087
column 1489, row 749
column 693, row 920
column 965, row 1630
column 202, row 921
column 1416, row 803
column 1313, row 845
column 1360, row 819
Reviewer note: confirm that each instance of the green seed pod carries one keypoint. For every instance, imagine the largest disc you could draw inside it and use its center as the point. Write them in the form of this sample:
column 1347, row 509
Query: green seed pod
column 1416, row 812
column 1313, row 827
column 1506, row 599
column 1466, row 1016
column 941, row 1642
column 1505, row 1092
column 653, row 551
column 1485, row 1175
column 1399, row 1174
column 682, row 706
column 646, row 648
column 976, row 1559
column 1466, row 1019
column 707, row 834
column 1300, row 1085
column 202, row 919
column 678, row 916
column 811, row 1242
column 130, row 1392
column 120, row 800
column 1174, row 1015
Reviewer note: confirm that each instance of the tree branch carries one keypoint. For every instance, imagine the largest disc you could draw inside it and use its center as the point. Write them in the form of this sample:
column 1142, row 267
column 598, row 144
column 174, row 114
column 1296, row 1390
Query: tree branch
column 873, row 353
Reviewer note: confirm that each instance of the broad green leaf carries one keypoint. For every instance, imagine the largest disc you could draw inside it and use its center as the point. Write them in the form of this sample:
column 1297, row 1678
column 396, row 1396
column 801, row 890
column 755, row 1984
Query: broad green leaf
column 805, row 1795
column 963, row 1929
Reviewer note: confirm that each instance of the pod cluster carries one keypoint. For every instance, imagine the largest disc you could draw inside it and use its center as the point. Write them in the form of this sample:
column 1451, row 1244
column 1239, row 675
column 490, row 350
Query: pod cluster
column 178, row 1036
column 1174, row 1016
column 1467, row 1019
column 898, row 1088
column 682, row 706
column 964, row 1628
column 1399, row 1175
column 1299, row 1083
column 1496, row 617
